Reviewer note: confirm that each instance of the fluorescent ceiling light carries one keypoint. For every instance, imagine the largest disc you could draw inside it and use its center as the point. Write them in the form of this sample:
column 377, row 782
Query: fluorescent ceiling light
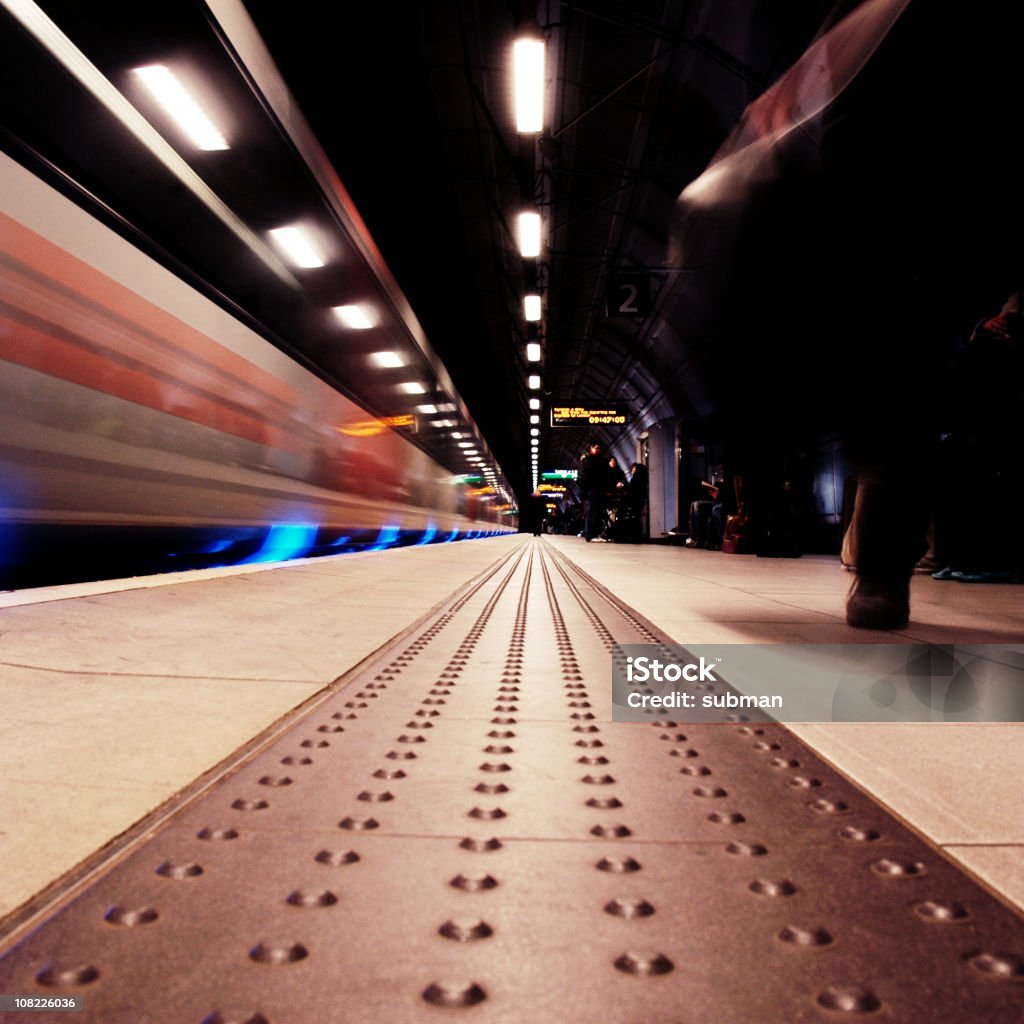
column 534, row 431
column 298, row 248
column 534, row 403
column 466, row 444
column 456, row 435
column 427, row 410
column 529, row 234
column 446, row 407
column 533, row 352
column 535, row 419
column 386, row 360
column 412, row 387
column 355, row 317
column 533, row 382
column 528, row 84
column 179, row 103
column 531, row 307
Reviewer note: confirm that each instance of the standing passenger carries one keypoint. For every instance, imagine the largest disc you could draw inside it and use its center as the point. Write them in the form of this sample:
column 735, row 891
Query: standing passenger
column 593, row 485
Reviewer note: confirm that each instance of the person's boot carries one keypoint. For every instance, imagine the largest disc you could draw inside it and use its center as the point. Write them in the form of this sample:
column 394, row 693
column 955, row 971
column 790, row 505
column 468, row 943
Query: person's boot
column 889, row 538
column 878, row 603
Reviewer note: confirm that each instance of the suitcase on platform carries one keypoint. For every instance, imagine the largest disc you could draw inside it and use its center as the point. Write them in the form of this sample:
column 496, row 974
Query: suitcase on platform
column 738, row 539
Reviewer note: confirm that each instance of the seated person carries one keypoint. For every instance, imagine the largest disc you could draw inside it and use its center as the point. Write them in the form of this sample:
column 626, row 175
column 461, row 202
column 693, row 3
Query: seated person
column 708, row 516
column 700, row 517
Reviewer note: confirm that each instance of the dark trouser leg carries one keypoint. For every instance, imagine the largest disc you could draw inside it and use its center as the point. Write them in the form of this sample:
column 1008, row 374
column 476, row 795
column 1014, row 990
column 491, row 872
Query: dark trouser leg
column 717, row 532
column 595, row 513
column 700, row 513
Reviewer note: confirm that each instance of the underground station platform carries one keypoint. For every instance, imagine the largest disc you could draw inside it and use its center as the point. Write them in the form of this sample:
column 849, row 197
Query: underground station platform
column 390, row 788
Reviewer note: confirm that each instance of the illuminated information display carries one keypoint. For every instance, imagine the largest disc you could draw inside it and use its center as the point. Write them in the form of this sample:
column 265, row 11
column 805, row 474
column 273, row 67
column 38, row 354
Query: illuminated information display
column 606, row 414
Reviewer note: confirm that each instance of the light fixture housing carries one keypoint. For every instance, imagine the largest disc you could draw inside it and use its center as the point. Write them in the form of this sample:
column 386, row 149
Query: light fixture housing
column 386, row 360
column 529, row 234
column 528, row 83
column 297, row 246
column 356, row 317
column 181, row 106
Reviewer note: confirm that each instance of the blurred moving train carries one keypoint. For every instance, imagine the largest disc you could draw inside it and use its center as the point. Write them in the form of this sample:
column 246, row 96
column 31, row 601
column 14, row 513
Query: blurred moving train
column 146, row 427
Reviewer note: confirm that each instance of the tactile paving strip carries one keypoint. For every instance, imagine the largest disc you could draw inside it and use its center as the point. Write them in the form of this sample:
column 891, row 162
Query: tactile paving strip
column 461, row 832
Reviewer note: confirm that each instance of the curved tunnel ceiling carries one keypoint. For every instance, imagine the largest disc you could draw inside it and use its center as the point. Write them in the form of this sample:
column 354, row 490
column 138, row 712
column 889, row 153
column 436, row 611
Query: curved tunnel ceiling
column 643, row 96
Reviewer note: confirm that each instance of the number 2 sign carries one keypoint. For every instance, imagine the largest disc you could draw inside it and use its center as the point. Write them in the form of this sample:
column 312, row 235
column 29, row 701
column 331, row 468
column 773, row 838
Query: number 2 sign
column 628, row 294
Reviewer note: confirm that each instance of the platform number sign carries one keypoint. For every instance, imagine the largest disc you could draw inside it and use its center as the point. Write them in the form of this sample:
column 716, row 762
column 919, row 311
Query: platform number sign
column 628, row 294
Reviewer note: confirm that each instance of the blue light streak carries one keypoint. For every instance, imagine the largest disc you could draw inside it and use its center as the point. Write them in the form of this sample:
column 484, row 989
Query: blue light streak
column 284, row 541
